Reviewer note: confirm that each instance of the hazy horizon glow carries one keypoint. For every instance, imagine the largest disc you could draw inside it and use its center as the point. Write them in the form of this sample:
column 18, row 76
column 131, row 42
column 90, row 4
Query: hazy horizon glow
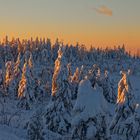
column 91, row 22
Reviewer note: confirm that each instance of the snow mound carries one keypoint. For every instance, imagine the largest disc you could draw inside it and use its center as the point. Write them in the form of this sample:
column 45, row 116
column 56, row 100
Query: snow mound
column 90, row 101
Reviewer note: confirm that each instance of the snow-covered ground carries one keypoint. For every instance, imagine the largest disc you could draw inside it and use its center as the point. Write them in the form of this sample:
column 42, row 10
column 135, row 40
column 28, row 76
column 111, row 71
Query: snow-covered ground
column 9, row 133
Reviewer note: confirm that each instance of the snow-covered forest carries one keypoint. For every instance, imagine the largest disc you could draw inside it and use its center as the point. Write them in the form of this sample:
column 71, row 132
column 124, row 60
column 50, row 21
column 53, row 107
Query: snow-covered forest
column 65, row 92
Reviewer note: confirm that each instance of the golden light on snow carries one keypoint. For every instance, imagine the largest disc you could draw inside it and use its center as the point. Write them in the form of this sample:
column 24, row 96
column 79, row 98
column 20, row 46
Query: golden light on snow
column 122, row 89
column 22, row 83
column 56, row 72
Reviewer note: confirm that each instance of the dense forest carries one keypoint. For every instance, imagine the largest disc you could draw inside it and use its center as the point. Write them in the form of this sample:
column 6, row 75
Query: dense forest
column 56, row 91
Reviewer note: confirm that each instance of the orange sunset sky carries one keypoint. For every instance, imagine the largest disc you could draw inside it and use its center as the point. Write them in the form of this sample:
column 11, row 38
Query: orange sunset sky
column 91, row 22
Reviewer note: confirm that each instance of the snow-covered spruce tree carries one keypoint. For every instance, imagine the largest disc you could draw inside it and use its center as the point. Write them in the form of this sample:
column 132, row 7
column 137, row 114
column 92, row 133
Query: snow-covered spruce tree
column 39, row 89
column 69, row 72
column 60, row 65
column 94, row 75
column 75, row 77
column 126, row 122
column 74, row 83
column 36, row 127
column 55, row 49
column 30, row 61
column 18, row 66
column 17, row 72
column 58, row 113
column 45, row 49
column 9, row 75
column 8, row 56
column 81, row 73
column 90, row 119
column 46, row 56
column 108, row 89
column 31, row 65
column 8, row 72
column 26, row 89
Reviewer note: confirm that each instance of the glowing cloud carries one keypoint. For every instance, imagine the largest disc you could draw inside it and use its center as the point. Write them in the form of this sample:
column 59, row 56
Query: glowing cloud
column 104, row 10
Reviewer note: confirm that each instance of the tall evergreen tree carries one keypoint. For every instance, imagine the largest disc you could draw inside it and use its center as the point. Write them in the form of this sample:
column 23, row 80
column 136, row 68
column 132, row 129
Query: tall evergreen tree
column 58, row 112
column 26, row 88
column 126, row 120
column 108, row 89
